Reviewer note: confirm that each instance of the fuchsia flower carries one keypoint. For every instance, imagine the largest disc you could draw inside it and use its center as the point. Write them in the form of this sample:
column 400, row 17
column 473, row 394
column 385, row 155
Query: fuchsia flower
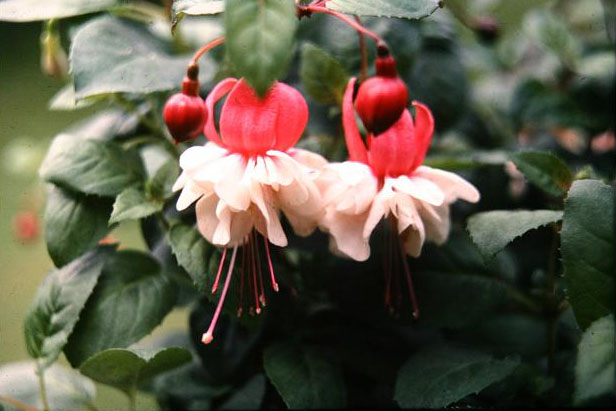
column 244, row 176
column 385, row 178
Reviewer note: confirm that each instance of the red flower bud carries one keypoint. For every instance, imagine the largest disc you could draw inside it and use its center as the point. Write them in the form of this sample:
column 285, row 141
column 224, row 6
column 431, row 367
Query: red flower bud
column 381, row 99
column 185, row 112
column 26, row 226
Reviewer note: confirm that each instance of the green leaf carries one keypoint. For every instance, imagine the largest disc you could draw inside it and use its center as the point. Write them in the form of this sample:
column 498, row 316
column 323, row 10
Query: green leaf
column 64, row 100
column 594, row 367
column 132, row 204
column 415, row 9
column 58, row 303
column 34, row 10
column 466, row 161
column 491, row 231
column 180, row 8
column 437, row 377
column 304, row 378
column 322, row 75
column 260, row 39
column 553, row 34
column 66, row 389
column 132, row 297
column 160, row 185
column 248, row 397
column 128, row 369
column 192, row 251
column 109, row 55
column 74, row 223
column 545, row 170
column 587, row 248
column 90, row 166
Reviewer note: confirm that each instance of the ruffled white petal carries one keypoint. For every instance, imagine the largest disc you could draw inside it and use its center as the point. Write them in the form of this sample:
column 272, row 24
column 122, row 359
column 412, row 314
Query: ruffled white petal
column 451, row 184
column 235, row 194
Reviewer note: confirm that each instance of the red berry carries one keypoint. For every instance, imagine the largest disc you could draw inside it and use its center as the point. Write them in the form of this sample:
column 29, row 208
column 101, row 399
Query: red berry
column 26, row 226
column 185, row 113
column 381, row 99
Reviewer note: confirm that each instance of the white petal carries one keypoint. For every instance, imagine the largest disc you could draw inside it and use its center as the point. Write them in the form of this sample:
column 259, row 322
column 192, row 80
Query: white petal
column 232, row 185
column 413, row 241
column 436, row 222
column 207, row 221
column 420, row 188
column 403, row 208
column 381, row 206
column 452, row 184
column 189, row 195
column 346, row 231
column 308, row 158
column 180, row 182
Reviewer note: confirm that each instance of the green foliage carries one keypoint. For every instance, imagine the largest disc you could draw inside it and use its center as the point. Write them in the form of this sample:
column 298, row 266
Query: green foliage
column 551, row 32
column 303, row 377
column 545, row 170
column 159, row 186
column 58, row 304
column 493, row 230
column 414, row 9
column 131, row 298
column 65, row 388
column 438, row 377
column 587, row 247
column 594, row 368
column 322, row 75
column 260, row 39
column 181, row 8
column 33, row 10
column 128, row 369
column 90, row 166
column 132, row 204
column 74, row 223
column 193, row 253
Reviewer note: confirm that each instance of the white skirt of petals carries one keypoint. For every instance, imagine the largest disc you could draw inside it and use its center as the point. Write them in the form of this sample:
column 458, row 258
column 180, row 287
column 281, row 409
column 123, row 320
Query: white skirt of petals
column 420, row 202
column 235, row 194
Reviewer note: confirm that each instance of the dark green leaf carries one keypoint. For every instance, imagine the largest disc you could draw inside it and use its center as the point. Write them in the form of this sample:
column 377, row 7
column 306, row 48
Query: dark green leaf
column 322, row 75
column 491, row 231
column 159, row 186
column 587, row 247
column 247, row 397
column 109, row 55
column 545, row 170
column 33, row 10
column 132, row 204
column 58, row 303
column 466, row 161
column 410, row 9
column 594, row 368
column 132, row 297
column 128, row 369
column 66, row 389
column 260, row 39
column 192, row 251
column 194, row 8
column 90, row 166
column 74, row 223
column 304, row 378
column 437, row 377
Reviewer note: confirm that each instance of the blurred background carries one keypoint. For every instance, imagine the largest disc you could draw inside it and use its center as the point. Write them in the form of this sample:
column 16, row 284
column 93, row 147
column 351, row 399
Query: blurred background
column 481, row 30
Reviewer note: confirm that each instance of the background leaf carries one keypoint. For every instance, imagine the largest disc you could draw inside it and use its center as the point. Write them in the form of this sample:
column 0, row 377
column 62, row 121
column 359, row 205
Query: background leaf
column 180, row 8
column 193, row 253
column 260, row 38
column 128, row 369
column 545, row 170
column 587, row 248
column 322, row 75
column 58, row 303
column 33, row 10
column 90, row 166
column 74, row 223
column 303, row 377
column 437, row 377
column 594, row 368
column 132, row 204
column 66, row 389
column 410, row 9
column 491, row 231
column 131, row 299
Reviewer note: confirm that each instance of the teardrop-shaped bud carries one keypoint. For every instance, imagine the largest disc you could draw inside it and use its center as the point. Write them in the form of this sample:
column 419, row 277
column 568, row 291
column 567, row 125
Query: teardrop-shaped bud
column 381, row 99
column 185, row 113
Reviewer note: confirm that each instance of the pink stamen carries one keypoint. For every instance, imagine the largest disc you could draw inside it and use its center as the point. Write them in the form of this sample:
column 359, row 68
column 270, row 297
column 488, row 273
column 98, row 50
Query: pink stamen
column 208, row 336
column 271, row 267
column 409, row 282
column 253, row 255
column 222, row 263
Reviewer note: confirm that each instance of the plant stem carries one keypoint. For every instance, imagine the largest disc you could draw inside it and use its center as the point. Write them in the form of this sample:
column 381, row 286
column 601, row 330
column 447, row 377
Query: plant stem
column 217, row 41
column 344, row 18
column 364, row 53
column 40, row 373
column 17, row 404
